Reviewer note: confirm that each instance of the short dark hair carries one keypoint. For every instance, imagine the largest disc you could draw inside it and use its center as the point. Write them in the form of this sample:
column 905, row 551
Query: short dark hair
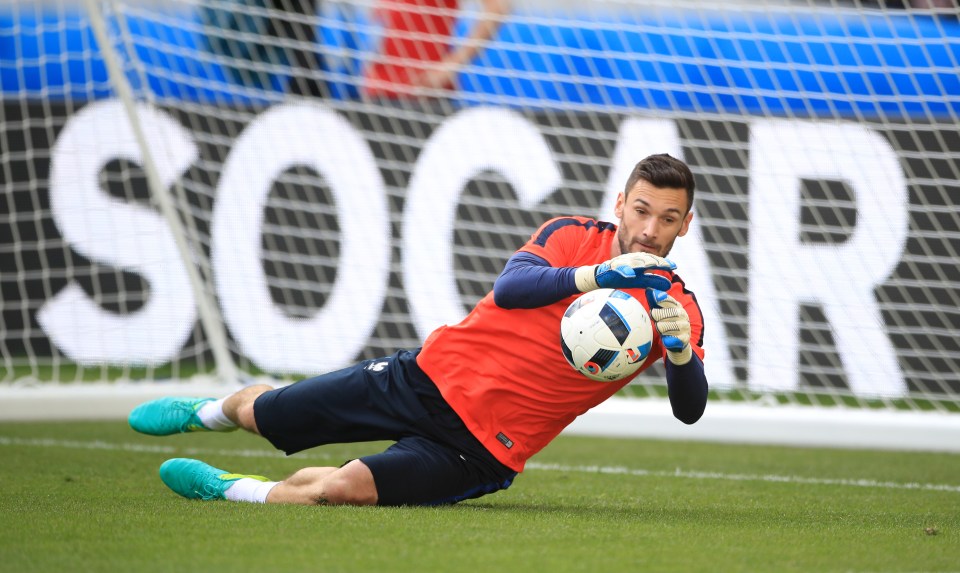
column 661, row 170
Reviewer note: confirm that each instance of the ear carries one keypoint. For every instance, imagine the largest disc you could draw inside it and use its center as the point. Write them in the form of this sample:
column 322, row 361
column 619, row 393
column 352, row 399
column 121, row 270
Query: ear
column 618, row 208
column 686, row 224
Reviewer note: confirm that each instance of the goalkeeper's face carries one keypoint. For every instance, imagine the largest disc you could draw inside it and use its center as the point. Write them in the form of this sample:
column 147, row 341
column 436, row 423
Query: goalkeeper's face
column 651, row 218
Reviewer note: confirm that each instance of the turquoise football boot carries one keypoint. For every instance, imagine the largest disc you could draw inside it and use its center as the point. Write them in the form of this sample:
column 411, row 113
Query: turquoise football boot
column 194, row 479
column 167, row 416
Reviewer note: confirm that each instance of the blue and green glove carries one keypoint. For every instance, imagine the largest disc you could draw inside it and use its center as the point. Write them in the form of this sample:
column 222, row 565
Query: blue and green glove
column 673, row 324
column 625, row 271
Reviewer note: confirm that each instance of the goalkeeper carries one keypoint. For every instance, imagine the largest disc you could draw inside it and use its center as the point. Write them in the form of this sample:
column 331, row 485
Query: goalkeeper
column 479, row 398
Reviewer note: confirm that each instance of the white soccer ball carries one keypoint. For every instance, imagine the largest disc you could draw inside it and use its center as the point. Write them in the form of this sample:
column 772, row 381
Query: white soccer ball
column 606, row 334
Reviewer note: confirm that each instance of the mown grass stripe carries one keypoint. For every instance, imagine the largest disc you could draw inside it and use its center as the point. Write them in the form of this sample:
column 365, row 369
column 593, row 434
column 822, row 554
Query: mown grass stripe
column 535, row 466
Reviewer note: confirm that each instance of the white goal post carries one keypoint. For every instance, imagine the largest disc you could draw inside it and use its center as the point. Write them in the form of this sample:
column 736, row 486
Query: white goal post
column 201, row 192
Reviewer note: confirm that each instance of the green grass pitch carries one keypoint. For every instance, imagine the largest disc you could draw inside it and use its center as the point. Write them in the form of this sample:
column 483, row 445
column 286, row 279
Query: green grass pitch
column 87, row 497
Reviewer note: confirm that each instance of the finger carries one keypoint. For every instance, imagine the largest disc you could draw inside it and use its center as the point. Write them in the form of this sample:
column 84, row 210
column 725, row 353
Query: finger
column 654, row 262
column 675, row 334
column 648, row 261
column 660, row 263
column 657, row 298
column 672, row 343
column 625, row 271
column 672, row 326
column 655, row 282
column 668, row 313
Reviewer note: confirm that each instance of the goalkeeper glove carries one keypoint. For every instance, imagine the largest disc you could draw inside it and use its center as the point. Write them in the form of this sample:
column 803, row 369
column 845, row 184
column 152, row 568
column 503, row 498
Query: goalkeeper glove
column 673, row 324
column 625, row 271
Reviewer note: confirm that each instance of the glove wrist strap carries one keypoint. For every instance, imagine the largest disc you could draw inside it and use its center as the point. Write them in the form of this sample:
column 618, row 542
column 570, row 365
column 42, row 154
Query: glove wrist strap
column 586, row 278
column 682, row 357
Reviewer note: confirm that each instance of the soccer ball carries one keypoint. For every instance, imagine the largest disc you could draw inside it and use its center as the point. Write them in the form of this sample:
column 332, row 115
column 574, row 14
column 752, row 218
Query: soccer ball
column 606, row 334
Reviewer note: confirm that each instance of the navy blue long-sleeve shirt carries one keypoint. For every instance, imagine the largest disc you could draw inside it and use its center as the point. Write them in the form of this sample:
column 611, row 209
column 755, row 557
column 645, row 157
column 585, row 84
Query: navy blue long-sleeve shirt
column 528, row 281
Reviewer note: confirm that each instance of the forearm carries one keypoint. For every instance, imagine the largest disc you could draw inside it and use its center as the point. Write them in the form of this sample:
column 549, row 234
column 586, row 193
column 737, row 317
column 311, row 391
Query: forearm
column 485, row 27
column 687, row 389
column 528, row 281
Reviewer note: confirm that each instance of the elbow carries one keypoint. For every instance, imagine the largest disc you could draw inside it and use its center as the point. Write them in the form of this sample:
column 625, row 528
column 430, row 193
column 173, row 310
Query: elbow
column 689, row 416
column 504, row 298
column 688, row 390
column 690, row 411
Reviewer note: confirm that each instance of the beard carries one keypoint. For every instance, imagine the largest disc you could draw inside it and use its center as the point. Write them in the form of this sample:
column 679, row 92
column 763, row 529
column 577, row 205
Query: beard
column 626, row 243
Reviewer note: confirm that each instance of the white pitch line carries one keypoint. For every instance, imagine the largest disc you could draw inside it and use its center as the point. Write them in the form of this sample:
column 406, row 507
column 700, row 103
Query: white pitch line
column 143, row 448
column 744, row 477
column 536, row 466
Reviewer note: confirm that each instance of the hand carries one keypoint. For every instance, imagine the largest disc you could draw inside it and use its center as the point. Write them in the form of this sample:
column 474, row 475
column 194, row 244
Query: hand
column 625, row 271
column 441, row 76
column 673, row 324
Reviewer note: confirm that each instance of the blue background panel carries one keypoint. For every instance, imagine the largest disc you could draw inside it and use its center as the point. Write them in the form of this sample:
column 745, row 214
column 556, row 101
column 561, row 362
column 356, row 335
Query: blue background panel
column 795, row 64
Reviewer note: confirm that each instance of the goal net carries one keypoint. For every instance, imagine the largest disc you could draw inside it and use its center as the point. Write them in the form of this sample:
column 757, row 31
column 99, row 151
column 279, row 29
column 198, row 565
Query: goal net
column 219, row 188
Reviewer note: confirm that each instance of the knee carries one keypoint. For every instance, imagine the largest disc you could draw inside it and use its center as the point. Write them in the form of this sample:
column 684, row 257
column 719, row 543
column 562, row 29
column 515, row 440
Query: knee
column 239, row 407
column 339, row 491
column 350, row 485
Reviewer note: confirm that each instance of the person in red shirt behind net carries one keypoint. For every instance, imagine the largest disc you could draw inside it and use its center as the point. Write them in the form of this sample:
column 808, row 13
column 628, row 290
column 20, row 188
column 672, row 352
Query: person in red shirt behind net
column 479, row 398
column 418, row 55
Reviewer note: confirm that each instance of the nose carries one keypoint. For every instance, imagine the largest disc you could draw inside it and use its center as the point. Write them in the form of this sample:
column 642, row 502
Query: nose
column 650, row 228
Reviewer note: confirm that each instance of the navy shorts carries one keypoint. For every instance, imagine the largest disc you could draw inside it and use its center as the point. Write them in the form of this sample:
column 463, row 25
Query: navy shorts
column 435, row 459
